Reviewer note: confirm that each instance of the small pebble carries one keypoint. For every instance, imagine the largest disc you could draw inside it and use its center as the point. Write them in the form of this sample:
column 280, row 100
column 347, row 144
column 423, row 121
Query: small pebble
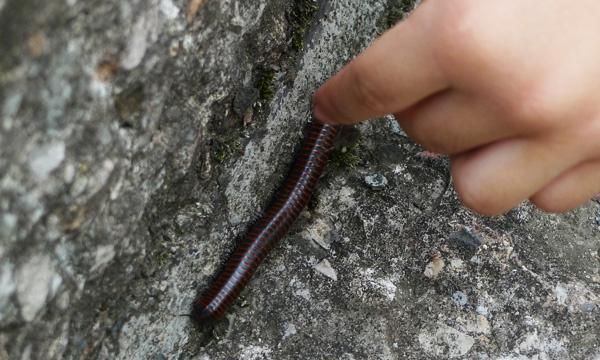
column 466, row 239
column 460, row 298
column 325, row 268
column 433, row 269
column 376, row 181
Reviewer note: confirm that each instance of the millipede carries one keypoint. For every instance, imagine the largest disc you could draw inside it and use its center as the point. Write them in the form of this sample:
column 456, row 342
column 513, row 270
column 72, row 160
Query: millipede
column 287, row 204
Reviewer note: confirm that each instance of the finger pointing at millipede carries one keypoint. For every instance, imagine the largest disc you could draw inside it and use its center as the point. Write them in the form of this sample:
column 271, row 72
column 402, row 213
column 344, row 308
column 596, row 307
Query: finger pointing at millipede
column 397, row 71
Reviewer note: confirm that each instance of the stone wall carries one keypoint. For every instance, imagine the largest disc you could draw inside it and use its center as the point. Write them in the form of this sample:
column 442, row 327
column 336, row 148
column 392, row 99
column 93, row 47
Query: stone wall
column 139, row 138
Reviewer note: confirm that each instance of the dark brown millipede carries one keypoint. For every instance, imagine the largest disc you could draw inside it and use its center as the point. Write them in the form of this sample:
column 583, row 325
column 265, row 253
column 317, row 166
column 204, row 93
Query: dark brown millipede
column 289, row 201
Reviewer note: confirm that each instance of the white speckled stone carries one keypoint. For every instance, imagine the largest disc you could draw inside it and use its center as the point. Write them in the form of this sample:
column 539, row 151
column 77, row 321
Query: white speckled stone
column 46, row 158
column 325, row 268
column 33, row 284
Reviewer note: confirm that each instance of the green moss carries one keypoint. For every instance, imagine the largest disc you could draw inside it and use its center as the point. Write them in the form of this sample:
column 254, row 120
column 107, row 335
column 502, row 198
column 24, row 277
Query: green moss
column 266, row 84
column 225, row 149
column 163, row 257
column 347, row 157
column 301, row 15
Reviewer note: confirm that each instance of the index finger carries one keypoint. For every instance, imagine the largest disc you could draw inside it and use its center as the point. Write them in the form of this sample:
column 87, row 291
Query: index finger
column 397, row 71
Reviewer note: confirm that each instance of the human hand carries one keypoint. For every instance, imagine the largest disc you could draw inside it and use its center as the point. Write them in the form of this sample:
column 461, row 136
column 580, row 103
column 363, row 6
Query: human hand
column 509, row 89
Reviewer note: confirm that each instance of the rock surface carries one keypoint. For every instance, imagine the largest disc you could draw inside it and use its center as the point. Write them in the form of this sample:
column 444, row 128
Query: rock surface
column 140, row 137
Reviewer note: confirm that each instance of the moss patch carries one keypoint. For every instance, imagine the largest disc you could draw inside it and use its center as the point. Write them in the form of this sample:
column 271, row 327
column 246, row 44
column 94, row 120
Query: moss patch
column 300, row 18
column 225, row 149
column 266, row 84
column 346, row 157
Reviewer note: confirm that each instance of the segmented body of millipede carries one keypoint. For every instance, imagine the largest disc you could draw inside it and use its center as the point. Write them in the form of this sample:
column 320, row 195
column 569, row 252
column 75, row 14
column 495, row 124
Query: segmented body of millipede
column 289, row 201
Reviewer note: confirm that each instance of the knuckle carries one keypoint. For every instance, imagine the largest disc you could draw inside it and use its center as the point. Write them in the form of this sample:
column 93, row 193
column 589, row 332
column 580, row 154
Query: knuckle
column 534, row 108
column 460, row 38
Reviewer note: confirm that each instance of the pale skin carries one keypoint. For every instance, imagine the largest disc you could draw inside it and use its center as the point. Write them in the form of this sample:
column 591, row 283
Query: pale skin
column 510, row 90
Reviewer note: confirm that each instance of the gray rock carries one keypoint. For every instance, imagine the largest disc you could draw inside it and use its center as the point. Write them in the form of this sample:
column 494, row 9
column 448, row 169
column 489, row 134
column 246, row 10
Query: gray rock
column 376, row 181
column 127, row 171
column 460, row 298
column 466, row 239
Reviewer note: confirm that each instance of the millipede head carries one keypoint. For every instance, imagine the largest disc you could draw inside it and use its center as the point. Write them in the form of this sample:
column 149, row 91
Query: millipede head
column 204, row 315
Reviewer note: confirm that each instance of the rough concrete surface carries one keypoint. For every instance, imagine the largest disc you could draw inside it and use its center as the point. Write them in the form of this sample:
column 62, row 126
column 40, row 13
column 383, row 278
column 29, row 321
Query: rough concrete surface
column 139, row 138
